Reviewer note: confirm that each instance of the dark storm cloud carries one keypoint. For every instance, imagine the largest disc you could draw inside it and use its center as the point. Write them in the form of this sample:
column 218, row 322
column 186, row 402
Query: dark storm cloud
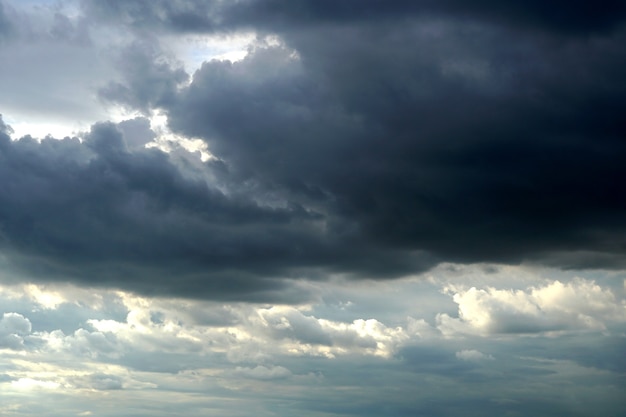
column 374, row 140
column 469, row 142
column 96, row 213
column 559, row 16
column 197, row 15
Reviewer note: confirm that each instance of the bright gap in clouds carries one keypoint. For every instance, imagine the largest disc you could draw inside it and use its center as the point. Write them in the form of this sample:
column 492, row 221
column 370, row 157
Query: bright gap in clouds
column 52, row 73
column 29, row 383
column 166, row 140
column 23, row 125
column 194, row 50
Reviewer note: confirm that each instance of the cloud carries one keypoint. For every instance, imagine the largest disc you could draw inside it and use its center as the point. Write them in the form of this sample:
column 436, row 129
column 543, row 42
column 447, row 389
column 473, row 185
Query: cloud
column 29, row 383
column 315, row 358
column 150, row 80
column 334, row 151
column 263, row 373
column 472, row 355
column 106, row 382
column 115, row 213
column 13, row 328
column 577, row 305
column 5, row 23
column 5, row 130
column 392, row 142
column 256, row 334
column 303, row 334
column 184, row 16
column 375, row 211
column 82, row 343
column 196, row 15
column 134, row 218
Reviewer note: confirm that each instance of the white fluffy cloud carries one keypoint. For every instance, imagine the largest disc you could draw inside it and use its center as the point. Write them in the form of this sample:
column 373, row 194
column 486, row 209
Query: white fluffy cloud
column 258, row 332
column 117, row 345
column 576, row 305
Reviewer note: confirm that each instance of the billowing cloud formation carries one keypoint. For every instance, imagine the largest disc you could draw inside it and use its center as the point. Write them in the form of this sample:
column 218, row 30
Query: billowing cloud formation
column 312, row 208
column 447, row 147
column 95, row 211
column 555, row 307
column 375, row 143
column 13, row 328
column 201, row 354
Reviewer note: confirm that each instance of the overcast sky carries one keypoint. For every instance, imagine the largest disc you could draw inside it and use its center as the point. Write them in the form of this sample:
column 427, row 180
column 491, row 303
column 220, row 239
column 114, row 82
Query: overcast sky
column 312, row 208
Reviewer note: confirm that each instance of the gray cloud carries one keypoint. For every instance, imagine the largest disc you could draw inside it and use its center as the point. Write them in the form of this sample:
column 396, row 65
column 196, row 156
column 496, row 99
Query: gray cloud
column 263, row 373
column 13, row 328
column 394, row 140
column 106, row 382
column 356, row 142
column 370, row 147
column 96, row 213
column 147, row 84
column 5, row 23
column 157, row 352
column 576, row 17
column 179, row 15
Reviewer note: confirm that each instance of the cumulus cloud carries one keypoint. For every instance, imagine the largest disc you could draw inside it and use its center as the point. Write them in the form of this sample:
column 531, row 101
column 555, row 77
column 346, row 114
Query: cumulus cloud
column 376, row 204
column 302, row 124
column 576, row 305
column 114, row 213
column 305, row 334
column 373, row 206
column 256, row 334
column 110, row 214
column 82, row 343
column 336, row 148
column 13, row 328
column 132, row 348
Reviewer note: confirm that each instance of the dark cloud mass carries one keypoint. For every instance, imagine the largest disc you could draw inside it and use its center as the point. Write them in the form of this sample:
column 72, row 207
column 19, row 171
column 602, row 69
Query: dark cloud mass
column 569, row 17
column 98, row 213
column 199, row 15
column 466, row 141
column 374, row 139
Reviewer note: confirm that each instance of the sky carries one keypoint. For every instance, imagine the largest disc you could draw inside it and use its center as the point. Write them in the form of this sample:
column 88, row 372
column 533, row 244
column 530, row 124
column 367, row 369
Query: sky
column 317, row 208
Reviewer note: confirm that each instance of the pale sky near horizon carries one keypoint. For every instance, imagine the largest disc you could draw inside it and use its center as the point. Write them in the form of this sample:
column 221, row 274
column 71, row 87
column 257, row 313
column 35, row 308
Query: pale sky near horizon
column 312, row 208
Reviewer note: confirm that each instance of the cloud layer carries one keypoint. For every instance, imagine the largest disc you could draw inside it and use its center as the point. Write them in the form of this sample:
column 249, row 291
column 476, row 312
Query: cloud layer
column 376, row 144
column 313, row 208
column 323, row 357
